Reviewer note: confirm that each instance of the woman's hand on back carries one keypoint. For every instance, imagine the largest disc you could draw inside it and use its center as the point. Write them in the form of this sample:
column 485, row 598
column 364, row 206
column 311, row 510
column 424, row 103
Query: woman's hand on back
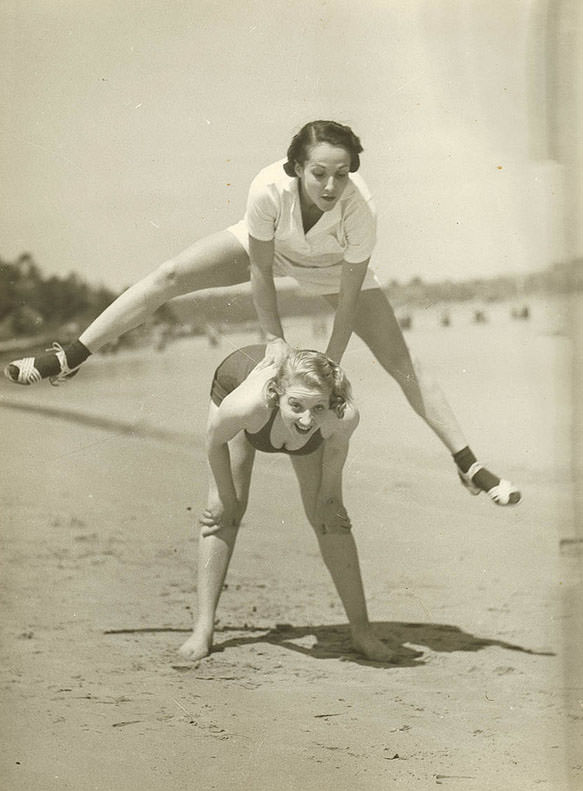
column 276, row 351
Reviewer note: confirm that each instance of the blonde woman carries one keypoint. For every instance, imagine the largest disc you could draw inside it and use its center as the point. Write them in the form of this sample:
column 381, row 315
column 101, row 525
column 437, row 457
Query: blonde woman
column 301, row 407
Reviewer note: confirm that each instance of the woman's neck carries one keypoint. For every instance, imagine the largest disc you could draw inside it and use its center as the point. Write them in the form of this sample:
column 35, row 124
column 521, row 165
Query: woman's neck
column 310, row 212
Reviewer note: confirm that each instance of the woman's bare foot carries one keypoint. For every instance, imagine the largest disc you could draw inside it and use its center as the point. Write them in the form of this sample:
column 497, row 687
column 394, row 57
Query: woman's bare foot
column 197, row 646
column 366, row 642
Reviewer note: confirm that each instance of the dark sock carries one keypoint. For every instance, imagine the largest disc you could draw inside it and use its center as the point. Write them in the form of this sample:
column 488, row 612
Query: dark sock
column 47, row 364
column 464, row 459
column 76, row 353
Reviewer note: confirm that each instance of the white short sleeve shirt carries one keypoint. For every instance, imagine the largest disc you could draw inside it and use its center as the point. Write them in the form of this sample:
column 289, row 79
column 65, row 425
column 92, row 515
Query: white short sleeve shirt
column 314, row 259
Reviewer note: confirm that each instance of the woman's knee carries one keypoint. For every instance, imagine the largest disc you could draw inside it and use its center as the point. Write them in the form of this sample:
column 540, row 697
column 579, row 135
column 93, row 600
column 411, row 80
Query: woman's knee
column 422, row 375
column 390, row 349
column 166, row 279
column 396, row 360
column 333, row 521
column 313, row 523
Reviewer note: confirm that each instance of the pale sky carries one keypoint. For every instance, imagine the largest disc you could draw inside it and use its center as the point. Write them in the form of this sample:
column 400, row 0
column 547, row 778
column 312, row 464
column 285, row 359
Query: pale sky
column 132, row 128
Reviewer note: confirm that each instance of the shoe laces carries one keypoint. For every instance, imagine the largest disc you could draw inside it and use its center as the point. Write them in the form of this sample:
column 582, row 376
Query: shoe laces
column 65, row 371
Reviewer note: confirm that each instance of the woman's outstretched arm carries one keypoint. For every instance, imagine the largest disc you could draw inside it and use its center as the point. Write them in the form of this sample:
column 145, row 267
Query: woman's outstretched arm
column 225, row 422
column 265, row 299
column 330, row 511
column 350, row 285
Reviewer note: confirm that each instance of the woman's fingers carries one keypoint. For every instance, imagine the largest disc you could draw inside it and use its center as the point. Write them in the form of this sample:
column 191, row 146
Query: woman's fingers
column 264, row 363
column 208, row 519
column 341, row 523
column 275, row 353
column 333, row 517
column 209, row 530
column 336, row 517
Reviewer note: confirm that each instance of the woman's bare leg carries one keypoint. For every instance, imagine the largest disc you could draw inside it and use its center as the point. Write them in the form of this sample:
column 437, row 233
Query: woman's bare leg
column 215, row 552
column 340, row 556
column 378, row 327
column 216, row 260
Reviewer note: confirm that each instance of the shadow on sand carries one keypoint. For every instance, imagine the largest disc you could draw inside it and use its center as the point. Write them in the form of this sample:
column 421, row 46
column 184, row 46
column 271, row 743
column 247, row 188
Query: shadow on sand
column 333, row 641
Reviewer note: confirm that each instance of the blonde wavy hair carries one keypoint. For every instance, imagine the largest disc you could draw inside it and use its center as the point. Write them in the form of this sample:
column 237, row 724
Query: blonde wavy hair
column 315, row 370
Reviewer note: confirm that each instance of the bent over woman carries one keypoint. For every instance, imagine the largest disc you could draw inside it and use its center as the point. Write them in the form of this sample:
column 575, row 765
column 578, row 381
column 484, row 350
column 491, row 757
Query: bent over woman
column 309, row 216
column 303, row 408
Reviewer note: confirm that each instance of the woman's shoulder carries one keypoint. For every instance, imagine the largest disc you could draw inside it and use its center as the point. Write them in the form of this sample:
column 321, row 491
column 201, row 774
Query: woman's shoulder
column 341, row 426
column 247, row 401
column 357, row 196
column 360, row 187
column 273, row 178
column 351, row 417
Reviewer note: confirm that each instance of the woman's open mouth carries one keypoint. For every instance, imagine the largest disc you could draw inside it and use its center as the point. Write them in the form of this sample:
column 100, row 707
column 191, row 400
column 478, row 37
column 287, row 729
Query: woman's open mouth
column 303, row 429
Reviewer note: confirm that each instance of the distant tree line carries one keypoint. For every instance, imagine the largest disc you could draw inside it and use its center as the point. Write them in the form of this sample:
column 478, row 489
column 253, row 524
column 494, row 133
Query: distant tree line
column 556, row 279
column 32, row 304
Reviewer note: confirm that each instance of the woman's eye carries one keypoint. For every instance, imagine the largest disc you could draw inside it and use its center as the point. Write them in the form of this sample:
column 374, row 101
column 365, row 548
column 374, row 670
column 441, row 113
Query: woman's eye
column 320, row 408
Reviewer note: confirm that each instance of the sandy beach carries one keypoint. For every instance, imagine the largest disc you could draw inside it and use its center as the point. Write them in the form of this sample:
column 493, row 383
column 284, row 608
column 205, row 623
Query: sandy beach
column 101, row 482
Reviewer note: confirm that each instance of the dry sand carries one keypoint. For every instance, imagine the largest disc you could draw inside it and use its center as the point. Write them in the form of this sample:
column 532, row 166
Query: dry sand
column 100, row 486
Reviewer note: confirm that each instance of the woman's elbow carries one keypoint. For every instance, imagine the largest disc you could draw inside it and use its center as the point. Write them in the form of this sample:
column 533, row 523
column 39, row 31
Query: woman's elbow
column 213, row 444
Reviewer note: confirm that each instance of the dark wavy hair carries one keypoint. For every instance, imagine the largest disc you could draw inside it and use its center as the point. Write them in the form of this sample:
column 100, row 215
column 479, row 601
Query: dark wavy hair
column 315, row 370
column 322, row 132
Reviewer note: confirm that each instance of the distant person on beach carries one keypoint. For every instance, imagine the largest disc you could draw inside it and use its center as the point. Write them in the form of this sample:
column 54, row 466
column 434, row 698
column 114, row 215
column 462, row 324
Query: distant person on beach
column 301, row 407
column 309, row 216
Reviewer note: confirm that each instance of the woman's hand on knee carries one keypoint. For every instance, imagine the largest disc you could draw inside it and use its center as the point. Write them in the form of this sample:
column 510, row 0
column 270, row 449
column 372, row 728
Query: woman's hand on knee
column 218, row 515
column 331, row 516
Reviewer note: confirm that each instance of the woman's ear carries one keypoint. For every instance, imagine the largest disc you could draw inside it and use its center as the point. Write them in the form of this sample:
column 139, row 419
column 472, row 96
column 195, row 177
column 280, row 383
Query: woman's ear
column 298, row 169
column 338, row 406
column 271, row 394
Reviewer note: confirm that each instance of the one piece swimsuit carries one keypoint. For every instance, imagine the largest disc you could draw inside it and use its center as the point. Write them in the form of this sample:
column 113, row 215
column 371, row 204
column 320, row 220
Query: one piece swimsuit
column 231, row 372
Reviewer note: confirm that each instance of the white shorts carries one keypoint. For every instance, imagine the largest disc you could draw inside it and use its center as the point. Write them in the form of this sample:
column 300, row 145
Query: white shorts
column 313, row 280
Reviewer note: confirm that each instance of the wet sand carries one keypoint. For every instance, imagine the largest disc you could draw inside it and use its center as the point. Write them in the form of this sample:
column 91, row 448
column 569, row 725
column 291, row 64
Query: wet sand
column 101, row 482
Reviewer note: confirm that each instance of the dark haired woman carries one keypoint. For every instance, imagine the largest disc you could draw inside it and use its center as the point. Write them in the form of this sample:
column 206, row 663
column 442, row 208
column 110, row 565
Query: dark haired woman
column 310, row 217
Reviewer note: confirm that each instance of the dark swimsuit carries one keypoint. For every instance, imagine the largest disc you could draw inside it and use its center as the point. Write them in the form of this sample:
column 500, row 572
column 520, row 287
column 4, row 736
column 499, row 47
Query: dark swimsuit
column 231, row 372
column 262, row 440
